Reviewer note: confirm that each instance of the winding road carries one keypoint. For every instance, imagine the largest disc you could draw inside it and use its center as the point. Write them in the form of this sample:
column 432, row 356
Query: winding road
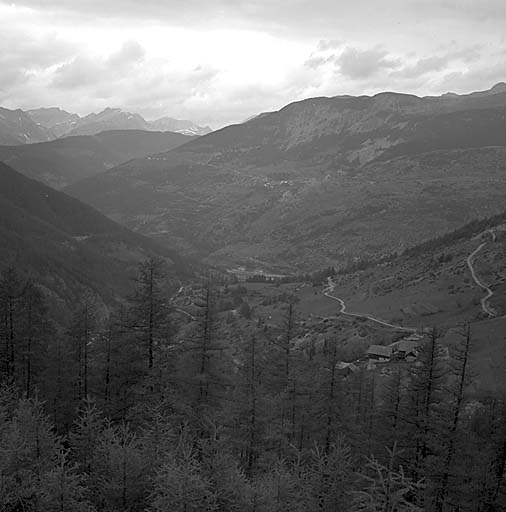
column 330, row 288
column 484, row 301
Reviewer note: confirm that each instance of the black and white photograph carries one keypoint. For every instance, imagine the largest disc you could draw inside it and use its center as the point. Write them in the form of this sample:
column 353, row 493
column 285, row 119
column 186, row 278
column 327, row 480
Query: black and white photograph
column 252, row 256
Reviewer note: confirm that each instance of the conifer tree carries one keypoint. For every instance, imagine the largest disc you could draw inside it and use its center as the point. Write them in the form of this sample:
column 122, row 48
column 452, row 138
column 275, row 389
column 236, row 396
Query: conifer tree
column 180, row 484
column 119, row 366
column 149, row 310
column 10, row 294
column 60, row 380
column 424, row 412
column 35, row 331
column 387, row 488
column 121, row 469
column 285, row 381
column 205, row 364
column 329, row 478
column 65, row 489
column 83, row 333
column 447, row 465
column 85, row 435
column 29, row 451
column 248, row 401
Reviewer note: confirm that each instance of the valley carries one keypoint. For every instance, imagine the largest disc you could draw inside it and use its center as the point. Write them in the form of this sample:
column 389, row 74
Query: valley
column 321, row 182
column 290, row 296
column 339, row 251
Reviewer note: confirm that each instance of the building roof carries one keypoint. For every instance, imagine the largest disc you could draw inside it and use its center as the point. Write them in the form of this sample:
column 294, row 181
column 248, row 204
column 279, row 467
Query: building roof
column 405, row 345
column 341, row 365
column 380, row 351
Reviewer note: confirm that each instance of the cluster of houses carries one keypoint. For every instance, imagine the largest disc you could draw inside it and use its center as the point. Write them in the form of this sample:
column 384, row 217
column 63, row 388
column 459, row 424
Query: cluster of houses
column 405, row 349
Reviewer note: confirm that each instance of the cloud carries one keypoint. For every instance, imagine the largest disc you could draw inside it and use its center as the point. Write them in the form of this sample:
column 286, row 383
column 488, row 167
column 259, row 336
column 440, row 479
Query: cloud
column 11, row 78
column 328, row 44
column 99, row 73
column 473, row 79
column 79, row 72
column 219, row 61
column 323, row 54
column 316, row 61
column 423, row 66
column 295, row 16
column 437, row 63
column 358, row 64
column 30, row 51
column 27, row 58
column 130, row 53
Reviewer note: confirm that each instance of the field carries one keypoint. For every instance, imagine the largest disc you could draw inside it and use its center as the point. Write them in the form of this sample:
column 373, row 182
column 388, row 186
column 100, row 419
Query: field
column 422, row 291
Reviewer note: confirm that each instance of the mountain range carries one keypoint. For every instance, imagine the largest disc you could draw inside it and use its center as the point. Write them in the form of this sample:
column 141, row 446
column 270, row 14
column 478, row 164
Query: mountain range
column 16, row 127
column 45, row 124
column 63, row 161
column 321, row 181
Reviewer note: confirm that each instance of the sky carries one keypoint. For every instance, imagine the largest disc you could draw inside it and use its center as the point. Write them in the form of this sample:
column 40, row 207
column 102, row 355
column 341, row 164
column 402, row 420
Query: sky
column 218, row 62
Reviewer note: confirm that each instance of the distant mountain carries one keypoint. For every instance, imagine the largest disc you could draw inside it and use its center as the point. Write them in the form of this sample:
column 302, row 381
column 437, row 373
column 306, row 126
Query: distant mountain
column 108, row 119
column 168, row 124
column 66, row 245
column 320, row 181
column 16, row 127
column 55, row 119
column 63, row 161
column 61, row 123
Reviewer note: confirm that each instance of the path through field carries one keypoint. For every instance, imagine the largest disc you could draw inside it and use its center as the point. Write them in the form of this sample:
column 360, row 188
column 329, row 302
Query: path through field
column 484, row 301
column 330, row 288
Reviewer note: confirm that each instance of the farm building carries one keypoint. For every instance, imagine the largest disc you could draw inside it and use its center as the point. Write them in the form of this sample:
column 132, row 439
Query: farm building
column 379, row 353
column 347, row 369
column 405, row 348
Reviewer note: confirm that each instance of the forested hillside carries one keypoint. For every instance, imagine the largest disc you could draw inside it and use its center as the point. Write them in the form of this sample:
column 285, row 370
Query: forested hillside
column 66, row 246
column 61, row 162
column 189, row 408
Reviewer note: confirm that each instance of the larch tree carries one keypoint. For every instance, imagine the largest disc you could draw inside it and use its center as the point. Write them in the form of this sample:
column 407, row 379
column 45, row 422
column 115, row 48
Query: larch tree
column 423, row 418
column 149, row 310
column 11, row 289
column 457, row 389
column 83, row 334
column 36, row 330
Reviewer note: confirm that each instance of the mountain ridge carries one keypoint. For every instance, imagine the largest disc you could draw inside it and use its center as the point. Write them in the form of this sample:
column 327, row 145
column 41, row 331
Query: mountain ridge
column 64, row 123
column 318, row 181
column 63, row 161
